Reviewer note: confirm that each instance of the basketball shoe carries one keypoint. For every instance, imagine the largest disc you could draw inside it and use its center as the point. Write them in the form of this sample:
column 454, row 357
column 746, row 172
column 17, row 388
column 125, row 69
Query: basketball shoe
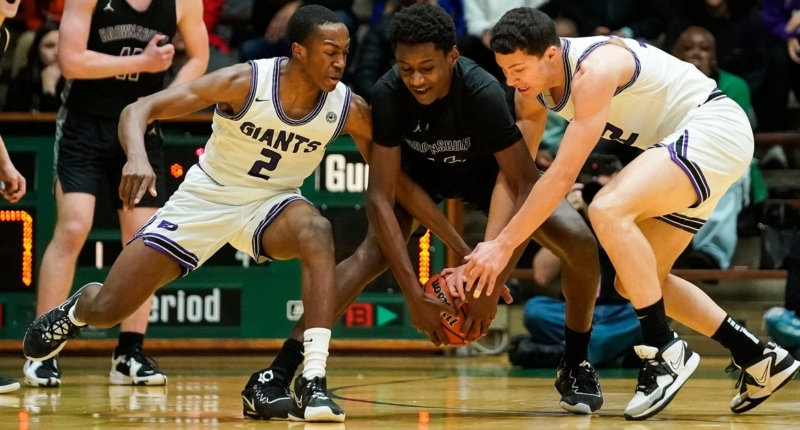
column 8, row 385
column 42, row 373
column 135, row 368
column 51, row 331
column 579, row 388
column 663, row 373
column 762, row 377
column 311, row 403
column 265, row 397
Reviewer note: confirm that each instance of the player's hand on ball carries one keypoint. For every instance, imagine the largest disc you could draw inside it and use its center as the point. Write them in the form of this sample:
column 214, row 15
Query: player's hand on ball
column 480, row 314
column 484, row 265
column 137, row 178
column 455, row 283
column 426, row 311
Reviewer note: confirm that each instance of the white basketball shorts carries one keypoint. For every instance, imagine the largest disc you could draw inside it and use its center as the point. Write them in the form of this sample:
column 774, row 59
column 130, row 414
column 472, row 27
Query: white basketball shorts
column 203, row 215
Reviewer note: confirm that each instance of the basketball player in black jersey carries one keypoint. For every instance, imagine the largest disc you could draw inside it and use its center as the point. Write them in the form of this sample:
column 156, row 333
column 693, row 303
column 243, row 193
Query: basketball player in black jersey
column 12, row 184
column 114, row 52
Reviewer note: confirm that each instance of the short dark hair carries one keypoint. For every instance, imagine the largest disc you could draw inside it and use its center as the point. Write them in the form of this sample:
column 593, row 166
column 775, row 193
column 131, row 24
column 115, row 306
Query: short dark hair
column 526, row 29
column 305, row 20
column 423, row 23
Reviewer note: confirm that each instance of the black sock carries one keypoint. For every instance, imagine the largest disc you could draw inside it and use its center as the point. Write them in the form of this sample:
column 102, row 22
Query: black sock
column 288, row 360
column 655, row 327
column 576, row 346
column 743, row 345
column 129, row 340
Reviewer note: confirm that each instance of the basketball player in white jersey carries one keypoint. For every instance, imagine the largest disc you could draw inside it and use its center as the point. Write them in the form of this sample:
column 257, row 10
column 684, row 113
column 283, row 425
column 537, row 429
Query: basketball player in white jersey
column 697, row 143
column 273, row 121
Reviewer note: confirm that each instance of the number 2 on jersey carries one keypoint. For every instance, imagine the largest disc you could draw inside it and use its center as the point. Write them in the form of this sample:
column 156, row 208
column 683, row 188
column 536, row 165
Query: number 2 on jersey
column 133, row 77
column 261, row 165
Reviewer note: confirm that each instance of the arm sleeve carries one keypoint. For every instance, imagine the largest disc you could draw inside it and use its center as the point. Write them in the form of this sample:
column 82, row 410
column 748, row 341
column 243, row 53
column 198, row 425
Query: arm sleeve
column 488, row 107
column 386, row 127
column 776, row 17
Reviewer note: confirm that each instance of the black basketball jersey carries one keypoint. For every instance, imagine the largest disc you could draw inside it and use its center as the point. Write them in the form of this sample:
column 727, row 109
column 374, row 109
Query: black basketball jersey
column 119, row 29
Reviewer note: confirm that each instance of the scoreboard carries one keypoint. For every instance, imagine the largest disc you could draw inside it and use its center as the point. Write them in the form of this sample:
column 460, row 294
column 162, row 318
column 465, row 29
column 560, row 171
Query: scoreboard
column 228, row 297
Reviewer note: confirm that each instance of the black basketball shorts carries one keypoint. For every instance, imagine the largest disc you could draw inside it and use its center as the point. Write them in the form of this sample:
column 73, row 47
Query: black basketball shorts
column 88, row 155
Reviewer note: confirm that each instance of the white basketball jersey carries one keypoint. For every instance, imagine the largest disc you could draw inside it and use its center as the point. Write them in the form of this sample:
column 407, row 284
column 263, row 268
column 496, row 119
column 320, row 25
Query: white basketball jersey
column 652, row 105
column 261, row 147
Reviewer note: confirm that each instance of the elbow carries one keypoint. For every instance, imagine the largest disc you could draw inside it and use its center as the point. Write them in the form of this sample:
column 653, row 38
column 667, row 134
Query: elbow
column 69, row 70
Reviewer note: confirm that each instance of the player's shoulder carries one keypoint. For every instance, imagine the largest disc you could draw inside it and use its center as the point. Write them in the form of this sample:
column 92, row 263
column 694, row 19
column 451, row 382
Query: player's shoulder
column 389, row 84
column 473, row 76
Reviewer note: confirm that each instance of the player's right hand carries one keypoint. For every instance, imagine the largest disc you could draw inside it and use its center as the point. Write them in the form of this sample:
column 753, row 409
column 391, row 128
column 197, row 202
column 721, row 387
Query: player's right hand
column 137, row 178
column 454, row 276
column 426, row 311
column 13, row 183
column 157, row 58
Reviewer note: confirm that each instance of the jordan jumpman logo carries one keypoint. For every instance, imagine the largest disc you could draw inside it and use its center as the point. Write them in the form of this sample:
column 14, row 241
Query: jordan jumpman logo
column 108, row 7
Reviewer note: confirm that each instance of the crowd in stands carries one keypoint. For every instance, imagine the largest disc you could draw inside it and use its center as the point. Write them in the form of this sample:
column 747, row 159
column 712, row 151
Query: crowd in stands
column 749, row 47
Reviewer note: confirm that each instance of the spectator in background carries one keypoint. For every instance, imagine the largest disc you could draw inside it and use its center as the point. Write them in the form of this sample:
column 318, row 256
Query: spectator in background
column 375, row 56
column 481, row 16
column 739, row 31
column 34, row 13
column 640, row 19
column 37, row 87
column 782, row 18
column 270, row 18
column 453, row 7
column 714, row 244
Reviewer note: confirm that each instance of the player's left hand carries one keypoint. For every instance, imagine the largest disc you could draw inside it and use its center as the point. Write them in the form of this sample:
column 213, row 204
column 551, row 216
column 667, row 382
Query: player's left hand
column 484, row 265
column 137, row 178
column 13, row 183
column 480, row 314
column 454, row 276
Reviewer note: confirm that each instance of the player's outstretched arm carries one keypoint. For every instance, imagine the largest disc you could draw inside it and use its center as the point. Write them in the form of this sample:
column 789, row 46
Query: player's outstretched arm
column 195, row 36
column 592, row 91
column 78, row 62
column 228, row 88
column 407, row 192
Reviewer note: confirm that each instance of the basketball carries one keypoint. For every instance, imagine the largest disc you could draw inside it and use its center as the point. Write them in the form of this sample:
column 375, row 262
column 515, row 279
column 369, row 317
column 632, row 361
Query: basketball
column 437, row 285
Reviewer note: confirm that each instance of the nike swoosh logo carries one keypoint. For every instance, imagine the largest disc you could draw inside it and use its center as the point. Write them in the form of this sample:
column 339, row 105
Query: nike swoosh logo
column 249, row 403
column 269, row 402
column 678, row 362
column 763, row 379
column 260, row 100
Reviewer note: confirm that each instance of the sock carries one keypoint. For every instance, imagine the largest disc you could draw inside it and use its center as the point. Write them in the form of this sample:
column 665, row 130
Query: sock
column 129, row 340
column 72, row 318
column 576, row 346
column 316, row 351
column 288, row 360
column 743, row 345
column 655, row 327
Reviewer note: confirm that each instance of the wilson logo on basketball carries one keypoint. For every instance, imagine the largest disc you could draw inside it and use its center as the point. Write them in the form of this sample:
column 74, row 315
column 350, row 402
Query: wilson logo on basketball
column 437, row 289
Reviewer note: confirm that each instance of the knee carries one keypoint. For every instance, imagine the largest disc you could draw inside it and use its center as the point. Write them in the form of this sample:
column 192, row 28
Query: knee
column 315, row 235
column 603, row 213
column 71, row 234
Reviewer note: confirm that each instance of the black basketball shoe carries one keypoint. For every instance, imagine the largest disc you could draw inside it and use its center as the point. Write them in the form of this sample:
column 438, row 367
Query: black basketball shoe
column 579, row 388
column 311, row 403
column 266, row 397
column 51, row 331
column 42, row 373
column 8, row 385
column 135, row 368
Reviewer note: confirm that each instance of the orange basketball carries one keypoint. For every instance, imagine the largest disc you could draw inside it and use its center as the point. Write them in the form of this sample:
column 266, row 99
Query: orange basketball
column 437, row 286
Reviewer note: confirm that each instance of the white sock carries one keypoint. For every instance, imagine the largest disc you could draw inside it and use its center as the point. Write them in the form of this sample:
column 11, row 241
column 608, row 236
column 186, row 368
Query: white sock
column 72, row 317
column 315, row 351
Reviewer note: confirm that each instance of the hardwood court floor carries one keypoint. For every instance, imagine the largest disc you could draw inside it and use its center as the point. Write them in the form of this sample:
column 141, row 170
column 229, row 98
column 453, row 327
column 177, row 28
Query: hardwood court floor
column 421, row 393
